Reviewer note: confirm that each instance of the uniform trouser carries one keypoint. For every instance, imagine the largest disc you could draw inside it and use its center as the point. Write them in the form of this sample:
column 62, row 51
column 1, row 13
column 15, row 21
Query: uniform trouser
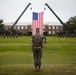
column 37, row 57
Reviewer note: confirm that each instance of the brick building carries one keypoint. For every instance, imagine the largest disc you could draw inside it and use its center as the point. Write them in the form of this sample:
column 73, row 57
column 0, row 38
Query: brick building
column 24, row 27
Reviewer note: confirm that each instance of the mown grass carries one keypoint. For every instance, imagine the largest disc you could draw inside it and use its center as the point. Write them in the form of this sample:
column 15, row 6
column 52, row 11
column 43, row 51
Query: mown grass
column 46, row 70
column 59, row 56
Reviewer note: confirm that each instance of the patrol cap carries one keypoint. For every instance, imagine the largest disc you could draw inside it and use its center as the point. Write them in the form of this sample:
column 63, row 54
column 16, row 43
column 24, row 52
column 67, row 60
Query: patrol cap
column 37, row 29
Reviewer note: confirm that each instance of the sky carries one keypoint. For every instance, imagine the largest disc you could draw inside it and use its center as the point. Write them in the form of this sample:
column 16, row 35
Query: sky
column 10, row 10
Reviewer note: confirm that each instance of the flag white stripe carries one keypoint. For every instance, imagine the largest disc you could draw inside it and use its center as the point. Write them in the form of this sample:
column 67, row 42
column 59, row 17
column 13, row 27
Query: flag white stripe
column 38, row 23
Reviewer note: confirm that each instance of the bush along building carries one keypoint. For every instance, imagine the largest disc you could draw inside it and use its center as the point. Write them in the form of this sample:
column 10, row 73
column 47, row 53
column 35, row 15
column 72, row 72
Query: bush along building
column 26, row 27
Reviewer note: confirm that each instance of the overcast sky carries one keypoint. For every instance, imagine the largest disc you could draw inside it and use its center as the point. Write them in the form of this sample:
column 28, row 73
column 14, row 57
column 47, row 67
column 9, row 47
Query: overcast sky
column 11, row 9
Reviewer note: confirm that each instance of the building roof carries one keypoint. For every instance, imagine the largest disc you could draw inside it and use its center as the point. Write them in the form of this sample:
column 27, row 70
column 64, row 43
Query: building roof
column 19, row 23
column 54, row 23
column 30, row 23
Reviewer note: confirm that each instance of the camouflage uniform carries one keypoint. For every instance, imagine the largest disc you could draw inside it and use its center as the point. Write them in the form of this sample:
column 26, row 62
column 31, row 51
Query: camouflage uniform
column 37, row 48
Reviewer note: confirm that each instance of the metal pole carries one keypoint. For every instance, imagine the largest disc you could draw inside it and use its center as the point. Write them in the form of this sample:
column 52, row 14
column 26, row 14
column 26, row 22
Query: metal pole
column 20, row 16
column 55, row 15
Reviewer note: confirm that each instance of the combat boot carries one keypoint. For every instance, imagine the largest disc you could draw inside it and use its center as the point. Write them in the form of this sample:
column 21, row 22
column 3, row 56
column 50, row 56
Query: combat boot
column 35, row 68
column 39, row 68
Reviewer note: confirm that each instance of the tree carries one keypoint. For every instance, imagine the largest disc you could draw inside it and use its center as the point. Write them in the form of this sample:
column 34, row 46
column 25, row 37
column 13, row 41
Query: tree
column 71, row 24
column 1, row 25
column 29, row 33
column 45, row 33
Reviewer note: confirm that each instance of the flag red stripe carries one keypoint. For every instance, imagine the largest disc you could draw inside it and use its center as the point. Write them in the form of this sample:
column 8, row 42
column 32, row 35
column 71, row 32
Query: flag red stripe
column 38, row 23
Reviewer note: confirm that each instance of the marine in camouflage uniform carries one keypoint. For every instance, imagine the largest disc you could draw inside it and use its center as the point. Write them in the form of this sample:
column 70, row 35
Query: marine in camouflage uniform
column 37, row 48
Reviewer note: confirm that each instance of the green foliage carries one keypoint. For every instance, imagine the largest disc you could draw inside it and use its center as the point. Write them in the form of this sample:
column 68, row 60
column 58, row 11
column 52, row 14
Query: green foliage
column 1, row 24
column 45, row 33
column 71, row 24
column 29, row 33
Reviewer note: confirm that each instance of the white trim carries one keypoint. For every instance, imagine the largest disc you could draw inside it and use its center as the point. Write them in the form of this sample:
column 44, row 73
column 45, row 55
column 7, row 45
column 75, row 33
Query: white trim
column 30, row 23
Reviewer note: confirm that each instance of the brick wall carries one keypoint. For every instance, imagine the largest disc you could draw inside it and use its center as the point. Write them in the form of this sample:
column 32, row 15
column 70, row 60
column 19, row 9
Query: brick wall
column 51, row 29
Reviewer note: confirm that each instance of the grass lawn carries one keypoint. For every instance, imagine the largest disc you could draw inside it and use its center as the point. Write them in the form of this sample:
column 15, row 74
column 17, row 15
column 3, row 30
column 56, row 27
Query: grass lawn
column 59, row 56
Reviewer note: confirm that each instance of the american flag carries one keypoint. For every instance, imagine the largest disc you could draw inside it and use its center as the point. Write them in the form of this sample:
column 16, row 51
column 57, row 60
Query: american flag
column 37, row 22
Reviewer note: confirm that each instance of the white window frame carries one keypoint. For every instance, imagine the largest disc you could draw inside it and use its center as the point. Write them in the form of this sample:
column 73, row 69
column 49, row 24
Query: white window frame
column 14, row 27
column 53, row 32
column 57, row 27
column 18, row 27
column 49, row 27
column 53, row 27
column 49, row 32
column 6, row 27
column 22, row 27
column 25, row 27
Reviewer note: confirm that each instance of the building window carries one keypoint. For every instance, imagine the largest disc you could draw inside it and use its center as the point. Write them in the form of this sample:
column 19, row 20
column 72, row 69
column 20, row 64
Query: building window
column 57, row 31
column 49, row 27
column 25, row 27
column 6, row 27
column 21, row 27
column 18, row 27
column 9, row 26
column 57, row 27
column 53, row 32
column 49, row 32
column 14, row 27
column 53, row 27
column 61, row 27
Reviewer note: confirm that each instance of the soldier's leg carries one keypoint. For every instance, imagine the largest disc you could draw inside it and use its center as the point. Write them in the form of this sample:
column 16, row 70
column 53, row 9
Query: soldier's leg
column 39, row 59
column 35, row 59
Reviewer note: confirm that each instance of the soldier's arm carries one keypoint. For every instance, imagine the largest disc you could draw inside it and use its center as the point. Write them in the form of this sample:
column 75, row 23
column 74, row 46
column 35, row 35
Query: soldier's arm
column 43, row 43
